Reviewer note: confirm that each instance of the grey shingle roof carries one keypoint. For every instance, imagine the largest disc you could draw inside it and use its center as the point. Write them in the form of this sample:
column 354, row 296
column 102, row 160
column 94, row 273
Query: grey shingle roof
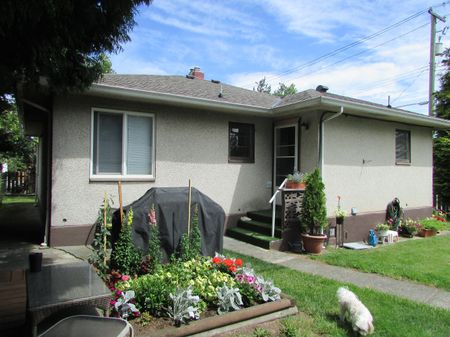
column 202, row 89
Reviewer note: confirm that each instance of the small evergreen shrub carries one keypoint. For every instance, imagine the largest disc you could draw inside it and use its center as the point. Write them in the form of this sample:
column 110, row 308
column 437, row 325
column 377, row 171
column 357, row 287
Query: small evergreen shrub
column 314, row 213
column 126, row 258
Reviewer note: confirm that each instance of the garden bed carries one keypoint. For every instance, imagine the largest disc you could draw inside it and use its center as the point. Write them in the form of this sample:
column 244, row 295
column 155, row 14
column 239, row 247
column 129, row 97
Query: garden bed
column 211, row 323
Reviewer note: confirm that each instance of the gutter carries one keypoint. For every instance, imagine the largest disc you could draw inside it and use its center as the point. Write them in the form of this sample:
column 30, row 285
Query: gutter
column 321, row 135
column 387, row 114
column 178, row 100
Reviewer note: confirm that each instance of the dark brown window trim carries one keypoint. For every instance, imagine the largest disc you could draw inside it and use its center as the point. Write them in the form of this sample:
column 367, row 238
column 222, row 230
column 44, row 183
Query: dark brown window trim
column 403, row 162
column 250, row 159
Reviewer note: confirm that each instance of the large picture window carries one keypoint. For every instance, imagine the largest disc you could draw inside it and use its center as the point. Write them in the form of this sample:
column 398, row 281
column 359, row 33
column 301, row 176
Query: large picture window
column 402, row 147
column 122, row 144
column 241, row 143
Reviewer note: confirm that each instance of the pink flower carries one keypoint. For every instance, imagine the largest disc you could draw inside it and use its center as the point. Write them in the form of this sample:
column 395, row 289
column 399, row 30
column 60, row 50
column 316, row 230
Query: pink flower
column 112, row 302
column 118, row 292
column 152, row 216
column 125, row 277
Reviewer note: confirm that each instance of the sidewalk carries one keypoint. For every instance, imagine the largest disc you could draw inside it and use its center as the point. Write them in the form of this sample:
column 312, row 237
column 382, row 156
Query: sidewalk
column 405, row 289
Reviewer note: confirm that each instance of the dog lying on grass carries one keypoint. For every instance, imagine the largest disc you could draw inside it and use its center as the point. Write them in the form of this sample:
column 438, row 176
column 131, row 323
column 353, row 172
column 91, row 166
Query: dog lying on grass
column 352, row 310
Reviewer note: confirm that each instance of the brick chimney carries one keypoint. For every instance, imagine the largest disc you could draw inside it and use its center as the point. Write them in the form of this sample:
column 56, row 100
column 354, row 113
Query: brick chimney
column 196, row 73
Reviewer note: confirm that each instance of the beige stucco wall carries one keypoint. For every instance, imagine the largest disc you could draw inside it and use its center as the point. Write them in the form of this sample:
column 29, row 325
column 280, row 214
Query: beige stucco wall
column 309, row 141
column 189, row 145
column 359, row 165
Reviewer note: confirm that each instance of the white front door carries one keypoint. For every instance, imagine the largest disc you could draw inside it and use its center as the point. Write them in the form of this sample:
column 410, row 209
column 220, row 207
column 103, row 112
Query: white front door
column 285, row 152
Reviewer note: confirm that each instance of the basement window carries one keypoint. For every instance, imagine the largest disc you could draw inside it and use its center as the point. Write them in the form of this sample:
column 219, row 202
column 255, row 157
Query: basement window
column 122, row 145
column 402, row 147
column 241, row 143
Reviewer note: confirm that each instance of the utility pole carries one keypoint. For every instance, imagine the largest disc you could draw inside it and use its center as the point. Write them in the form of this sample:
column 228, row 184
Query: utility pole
column 434, row 16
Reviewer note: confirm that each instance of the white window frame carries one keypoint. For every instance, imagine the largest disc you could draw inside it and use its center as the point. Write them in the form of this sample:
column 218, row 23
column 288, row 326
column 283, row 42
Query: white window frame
column 124, row 176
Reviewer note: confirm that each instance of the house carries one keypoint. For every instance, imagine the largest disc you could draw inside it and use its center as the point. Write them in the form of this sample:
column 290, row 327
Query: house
column 236, row 146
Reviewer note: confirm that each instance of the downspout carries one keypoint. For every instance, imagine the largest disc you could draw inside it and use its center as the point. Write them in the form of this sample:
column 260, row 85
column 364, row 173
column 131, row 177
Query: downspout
column 322, row 138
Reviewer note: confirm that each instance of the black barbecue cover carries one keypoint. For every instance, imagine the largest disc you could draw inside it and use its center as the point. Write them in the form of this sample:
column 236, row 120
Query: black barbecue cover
column 171, row 205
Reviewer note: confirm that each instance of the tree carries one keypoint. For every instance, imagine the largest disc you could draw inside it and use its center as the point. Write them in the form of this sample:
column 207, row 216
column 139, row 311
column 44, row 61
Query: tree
column 16, row 149
column 263, row 86
column 63, row 41
column 284, row 90
column 441, row 153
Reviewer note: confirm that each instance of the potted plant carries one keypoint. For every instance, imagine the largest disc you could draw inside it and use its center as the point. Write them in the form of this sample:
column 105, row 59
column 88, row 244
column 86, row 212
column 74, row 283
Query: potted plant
column 428, row 230
column 313, row 215
column 382, row 229
column 409, row 228
column 340, row 213
column 296, row 181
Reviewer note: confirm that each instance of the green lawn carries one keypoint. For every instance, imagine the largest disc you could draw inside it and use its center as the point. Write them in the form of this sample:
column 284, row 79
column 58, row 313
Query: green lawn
column 422, row 260
column 18, row 199
column 316, row 297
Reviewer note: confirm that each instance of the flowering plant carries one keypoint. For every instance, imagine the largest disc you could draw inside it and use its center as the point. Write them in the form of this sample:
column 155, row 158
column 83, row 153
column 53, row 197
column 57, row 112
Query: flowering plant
column 340, row 213
column 223, row 263
column 123, row 304
column 381, row 227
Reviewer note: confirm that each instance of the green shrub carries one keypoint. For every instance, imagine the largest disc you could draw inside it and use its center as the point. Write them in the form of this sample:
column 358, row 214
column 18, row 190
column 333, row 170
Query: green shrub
column 126, row 258
column 314, row 214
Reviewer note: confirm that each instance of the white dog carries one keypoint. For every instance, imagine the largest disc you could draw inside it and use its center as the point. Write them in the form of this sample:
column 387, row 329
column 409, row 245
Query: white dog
column 352, row 310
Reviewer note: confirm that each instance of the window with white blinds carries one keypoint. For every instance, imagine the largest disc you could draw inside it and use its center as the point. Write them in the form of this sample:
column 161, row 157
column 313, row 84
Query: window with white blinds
column 123, row 144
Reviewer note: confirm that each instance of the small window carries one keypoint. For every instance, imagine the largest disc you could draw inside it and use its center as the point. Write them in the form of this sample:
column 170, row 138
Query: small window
column 402, row 147
column 241, row 143
column 122, row 145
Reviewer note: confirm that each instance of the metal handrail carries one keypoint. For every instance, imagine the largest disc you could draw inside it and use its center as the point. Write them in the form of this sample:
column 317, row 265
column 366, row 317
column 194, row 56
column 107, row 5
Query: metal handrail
column 274, row 205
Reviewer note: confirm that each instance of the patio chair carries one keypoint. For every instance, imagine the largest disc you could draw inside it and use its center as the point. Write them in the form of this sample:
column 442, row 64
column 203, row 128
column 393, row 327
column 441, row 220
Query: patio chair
column 90, row 326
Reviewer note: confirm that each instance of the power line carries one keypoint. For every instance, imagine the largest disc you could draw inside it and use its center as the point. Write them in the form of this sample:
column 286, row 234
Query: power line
column 362, row 52
column 353, row 44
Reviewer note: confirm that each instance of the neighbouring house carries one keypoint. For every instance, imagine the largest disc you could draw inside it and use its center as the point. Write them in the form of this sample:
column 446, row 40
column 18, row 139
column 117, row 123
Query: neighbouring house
column 236, row 146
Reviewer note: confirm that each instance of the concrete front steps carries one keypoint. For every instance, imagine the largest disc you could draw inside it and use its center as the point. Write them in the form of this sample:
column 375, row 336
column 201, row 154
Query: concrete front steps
column 258, row 230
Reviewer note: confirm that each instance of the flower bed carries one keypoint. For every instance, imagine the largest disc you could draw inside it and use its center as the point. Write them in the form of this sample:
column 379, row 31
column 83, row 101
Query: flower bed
column 187, row 290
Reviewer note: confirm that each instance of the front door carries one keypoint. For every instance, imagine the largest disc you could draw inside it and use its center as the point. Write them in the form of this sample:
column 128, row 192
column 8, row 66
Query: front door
column 285, row 152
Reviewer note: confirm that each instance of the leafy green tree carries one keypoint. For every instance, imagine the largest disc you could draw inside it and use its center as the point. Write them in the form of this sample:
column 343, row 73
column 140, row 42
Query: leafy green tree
column 63, row 41
column 441, row 151
column 16, row 149
column 263, row 86
column 284, row 90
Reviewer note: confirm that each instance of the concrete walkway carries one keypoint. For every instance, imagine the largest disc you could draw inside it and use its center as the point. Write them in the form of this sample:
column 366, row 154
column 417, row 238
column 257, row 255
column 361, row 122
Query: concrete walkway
column 405, row 289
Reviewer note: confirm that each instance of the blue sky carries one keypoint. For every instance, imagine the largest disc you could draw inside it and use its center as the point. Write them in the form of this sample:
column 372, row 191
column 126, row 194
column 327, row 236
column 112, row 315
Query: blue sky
column 240, row 42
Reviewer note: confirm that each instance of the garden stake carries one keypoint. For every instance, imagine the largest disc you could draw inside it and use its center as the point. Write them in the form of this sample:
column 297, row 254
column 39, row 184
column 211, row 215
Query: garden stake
column 189, row 207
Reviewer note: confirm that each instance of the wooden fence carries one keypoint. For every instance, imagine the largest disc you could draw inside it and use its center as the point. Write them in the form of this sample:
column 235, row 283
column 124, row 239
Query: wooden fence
column 20, row 182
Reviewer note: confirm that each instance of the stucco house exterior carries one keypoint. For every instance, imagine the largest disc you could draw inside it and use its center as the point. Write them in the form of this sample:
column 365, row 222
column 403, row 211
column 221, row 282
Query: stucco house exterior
column 236, row 146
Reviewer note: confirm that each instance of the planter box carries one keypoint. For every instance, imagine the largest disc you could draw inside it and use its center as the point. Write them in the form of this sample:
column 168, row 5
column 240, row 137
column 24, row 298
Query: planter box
column 219, row 324
column 427, row 233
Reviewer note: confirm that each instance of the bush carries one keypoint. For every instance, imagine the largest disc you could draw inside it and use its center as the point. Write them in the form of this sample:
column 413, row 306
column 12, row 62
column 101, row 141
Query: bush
column 314, row 214
column 125, row 257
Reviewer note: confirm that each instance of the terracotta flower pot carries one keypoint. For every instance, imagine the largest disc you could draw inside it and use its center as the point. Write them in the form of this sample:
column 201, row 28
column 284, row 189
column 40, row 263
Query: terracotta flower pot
column 425, row 233
column 313, row 243
column 295, row 186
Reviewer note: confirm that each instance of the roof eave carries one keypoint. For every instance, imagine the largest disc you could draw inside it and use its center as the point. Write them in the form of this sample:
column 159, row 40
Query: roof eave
column 176, row 100
column 388, row 114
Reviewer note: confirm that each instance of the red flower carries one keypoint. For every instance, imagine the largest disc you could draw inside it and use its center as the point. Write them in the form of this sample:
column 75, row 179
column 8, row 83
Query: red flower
column 228, row 262
column 217, row 260
column 238, row 262
column 232, row 269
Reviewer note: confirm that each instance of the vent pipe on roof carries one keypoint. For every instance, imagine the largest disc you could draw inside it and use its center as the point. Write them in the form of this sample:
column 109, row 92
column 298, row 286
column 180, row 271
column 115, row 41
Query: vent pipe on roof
column 322, row 88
